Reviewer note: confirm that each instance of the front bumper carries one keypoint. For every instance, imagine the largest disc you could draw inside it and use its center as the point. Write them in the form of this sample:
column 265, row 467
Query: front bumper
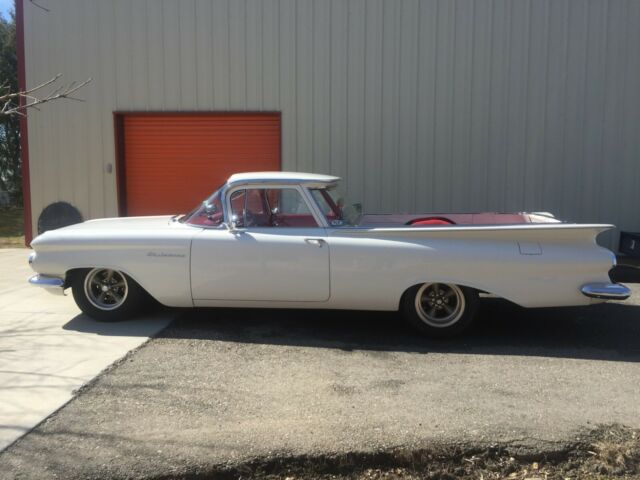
column 54, row 285
column 606, row 291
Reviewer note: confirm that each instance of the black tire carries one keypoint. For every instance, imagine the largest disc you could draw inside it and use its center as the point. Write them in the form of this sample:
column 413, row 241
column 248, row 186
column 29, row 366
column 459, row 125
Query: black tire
column 456, row 305
column 117, row 304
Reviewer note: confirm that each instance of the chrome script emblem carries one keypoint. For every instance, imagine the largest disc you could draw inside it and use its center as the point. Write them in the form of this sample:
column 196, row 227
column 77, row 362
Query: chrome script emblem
column 163, row 254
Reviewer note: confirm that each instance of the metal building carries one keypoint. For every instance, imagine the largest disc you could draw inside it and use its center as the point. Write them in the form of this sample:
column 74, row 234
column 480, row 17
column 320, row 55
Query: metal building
column 420, row 105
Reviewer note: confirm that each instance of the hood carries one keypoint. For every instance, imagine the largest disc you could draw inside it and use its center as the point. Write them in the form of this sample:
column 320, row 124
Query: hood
column 130, row 223
column 111, row 228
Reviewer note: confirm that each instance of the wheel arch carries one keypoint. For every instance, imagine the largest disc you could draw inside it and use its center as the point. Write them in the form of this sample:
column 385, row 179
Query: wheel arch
column 470, row 285
column 68, row 276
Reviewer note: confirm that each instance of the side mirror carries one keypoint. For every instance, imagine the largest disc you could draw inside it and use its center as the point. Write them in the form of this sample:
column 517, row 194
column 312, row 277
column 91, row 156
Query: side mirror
column 210, row 210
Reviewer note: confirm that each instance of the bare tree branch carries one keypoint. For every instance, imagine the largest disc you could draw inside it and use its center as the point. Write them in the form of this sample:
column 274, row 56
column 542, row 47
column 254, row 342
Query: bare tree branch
column 17, row 102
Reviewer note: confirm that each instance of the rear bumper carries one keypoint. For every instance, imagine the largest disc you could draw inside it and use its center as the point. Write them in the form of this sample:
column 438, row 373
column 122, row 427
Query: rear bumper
column 51, row 284
column 606, row 291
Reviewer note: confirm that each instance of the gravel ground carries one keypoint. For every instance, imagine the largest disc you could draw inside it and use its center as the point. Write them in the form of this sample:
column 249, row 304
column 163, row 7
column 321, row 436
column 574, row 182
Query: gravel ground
column 220, row 389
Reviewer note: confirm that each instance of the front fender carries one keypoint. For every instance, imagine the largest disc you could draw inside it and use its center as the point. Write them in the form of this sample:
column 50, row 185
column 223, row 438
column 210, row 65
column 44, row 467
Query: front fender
column 160, row 266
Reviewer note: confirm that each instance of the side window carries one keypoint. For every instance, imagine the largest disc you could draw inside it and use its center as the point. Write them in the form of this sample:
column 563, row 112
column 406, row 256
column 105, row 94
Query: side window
column 273, row 207
column 256, row 204
column 289, row 202
column 256, row 213
column 289, row 209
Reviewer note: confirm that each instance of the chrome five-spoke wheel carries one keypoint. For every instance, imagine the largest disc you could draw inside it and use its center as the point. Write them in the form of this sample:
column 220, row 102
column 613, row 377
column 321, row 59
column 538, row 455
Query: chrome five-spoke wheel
column 440, row 309
column 106, row 289
column 439, row 304
column 107, row 294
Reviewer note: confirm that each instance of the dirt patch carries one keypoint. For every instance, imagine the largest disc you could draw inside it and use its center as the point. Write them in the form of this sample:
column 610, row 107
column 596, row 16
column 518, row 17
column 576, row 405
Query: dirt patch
column 11, row 227
column 605, row 453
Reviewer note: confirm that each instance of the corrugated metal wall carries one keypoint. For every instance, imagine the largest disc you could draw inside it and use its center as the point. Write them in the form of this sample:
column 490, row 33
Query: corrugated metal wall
column 419, row 104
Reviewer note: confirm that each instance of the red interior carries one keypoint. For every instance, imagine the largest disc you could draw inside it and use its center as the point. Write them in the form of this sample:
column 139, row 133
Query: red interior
column 432, row 221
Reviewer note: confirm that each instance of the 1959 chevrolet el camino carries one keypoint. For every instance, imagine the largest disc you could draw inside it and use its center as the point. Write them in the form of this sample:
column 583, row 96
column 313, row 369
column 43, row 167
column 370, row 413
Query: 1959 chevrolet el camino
column 278, row 239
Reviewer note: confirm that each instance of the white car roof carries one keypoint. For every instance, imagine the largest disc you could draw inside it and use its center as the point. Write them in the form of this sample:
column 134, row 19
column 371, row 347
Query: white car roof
column 284, row 177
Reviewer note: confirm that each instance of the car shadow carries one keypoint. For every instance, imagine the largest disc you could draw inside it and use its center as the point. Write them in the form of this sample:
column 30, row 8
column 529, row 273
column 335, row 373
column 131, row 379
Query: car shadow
column 627, row 273
column 145, row 326
column 601, row 332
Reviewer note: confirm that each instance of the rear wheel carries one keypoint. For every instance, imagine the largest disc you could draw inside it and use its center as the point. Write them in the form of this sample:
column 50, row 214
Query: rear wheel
column 107, row 295
column 440, row 309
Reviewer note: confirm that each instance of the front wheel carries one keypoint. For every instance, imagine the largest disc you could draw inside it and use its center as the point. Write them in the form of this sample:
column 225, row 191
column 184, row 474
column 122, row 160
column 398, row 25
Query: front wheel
column 440, row 309
column 106, row 295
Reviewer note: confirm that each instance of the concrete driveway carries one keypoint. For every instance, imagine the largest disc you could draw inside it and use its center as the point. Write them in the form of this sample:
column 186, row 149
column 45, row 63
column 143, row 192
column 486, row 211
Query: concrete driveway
column 223, row 389
column 48, row 349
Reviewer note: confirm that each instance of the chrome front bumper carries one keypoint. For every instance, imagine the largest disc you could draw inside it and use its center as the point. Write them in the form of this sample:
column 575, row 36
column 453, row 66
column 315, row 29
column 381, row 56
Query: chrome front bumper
column 606, row 291
column 51, row 284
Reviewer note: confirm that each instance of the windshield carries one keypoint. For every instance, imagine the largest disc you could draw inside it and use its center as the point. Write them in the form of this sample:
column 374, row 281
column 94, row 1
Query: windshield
column 336, row 208
column 209, row 213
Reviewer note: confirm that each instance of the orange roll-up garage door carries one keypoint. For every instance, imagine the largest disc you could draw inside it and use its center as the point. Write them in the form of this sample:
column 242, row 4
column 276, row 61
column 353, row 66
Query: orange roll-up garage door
column 173, row 162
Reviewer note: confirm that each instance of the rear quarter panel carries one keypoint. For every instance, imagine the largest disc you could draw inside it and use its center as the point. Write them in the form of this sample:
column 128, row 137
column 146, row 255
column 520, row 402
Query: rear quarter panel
column 377, row 267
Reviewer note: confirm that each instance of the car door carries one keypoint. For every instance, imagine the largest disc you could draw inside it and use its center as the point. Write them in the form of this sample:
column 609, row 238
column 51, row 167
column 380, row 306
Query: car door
column 277, row 252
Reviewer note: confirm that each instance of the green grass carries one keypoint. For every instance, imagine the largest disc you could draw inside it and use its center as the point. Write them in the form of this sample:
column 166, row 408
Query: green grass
column 11, row 227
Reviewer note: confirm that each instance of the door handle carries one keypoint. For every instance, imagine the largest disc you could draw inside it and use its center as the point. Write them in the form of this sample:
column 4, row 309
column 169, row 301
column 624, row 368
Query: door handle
column 318, row 242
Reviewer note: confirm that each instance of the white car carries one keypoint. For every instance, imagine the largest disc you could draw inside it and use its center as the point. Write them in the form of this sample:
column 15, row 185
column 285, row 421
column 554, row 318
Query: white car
column 289, row 240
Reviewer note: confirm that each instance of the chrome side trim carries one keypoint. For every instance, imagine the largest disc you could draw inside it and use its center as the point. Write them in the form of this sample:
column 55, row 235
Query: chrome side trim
column 606, row 291
column 51, row 284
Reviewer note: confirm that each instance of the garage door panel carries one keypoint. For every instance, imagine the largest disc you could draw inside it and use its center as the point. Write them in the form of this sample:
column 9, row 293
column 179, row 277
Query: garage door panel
column 172, row 162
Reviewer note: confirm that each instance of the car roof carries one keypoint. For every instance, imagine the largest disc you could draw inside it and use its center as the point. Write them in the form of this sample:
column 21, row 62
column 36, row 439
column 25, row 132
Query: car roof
column 282, row 177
